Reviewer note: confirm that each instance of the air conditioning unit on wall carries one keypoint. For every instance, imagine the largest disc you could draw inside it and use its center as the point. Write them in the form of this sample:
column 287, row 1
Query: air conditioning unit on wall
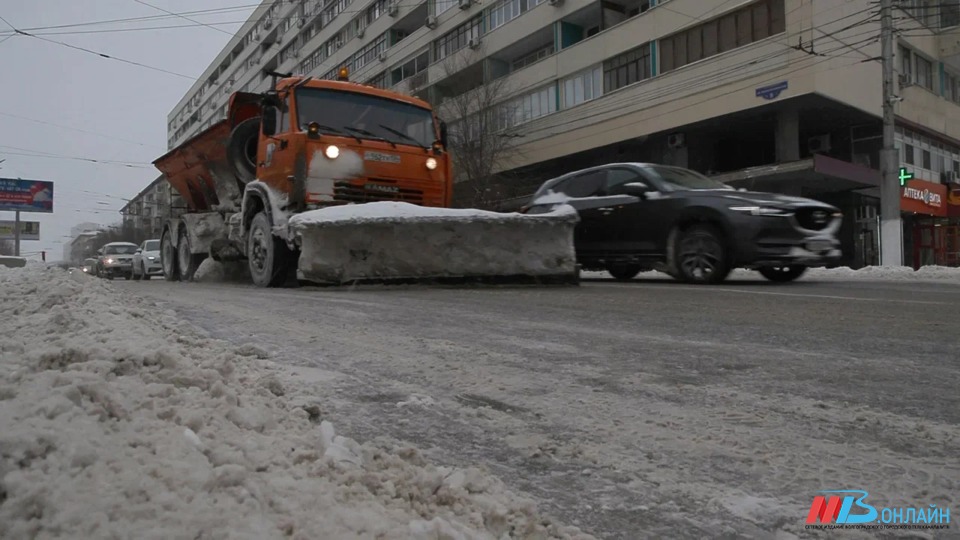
column 676, row 140
column 473, row 43
column 819, row 144
column 431, row 22
column 464, row 4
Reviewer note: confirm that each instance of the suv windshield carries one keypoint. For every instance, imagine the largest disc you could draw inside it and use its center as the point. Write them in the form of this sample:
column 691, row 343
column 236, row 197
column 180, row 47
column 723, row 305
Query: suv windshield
column 677, row 179
column 358, row 115
column 151, row 245
column 119, row 250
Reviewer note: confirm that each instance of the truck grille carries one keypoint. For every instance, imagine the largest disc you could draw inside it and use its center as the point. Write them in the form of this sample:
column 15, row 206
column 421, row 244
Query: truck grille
column 814, row 219
column 376, row 189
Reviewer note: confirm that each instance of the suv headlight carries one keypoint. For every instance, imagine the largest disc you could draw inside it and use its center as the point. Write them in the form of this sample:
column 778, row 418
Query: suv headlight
column 761, row 210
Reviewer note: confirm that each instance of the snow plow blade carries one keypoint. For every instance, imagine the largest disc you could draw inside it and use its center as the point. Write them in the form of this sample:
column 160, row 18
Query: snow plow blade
column 390, row 242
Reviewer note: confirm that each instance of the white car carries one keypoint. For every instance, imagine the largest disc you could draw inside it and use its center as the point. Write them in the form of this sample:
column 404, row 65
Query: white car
column 146, row 261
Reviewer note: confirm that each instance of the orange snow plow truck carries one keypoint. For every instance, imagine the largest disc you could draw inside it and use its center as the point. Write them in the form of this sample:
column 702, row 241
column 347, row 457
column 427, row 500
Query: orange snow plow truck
column 334, row 182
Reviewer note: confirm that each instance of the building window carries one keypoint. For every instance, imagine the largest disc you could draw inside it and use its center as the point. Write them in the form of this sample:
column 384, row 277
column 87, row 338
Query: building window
column 368, row 53
column 529, row 107
column 503, row 12
column 457, row 38
column 951, row 87
column 924, row 72
column 949, row 13
column 411, row 67
column 627, row 68
column 380, row 81
column 535, row 56
column 440, row 6
column 742, row 27
column 582, row 87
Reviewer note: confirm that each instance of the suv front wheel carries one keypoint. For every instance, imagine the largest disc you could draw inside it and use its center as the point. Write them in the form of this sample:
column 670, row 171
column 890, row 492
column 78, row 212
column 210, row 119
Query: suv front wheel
column 701, row 255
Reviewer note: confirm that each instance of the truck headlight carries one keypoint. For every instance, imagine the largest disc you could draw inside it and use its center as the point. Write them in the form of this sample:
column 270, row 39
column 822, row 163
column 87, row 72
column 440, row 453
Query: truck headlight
column 431, row 163
column 761, row 210
column 332, row 152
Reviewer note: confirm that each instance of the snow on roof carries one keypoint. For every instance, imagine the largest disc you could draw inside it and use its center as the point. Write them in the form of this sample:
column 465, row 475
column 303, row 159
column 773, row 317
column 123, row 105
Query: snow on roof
column 388, row 210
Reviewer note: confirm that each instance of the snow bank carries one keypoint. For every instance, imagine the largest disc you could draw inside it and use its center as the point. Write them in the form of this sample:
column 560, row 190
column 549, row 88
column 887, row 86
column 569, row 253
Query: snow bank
column 118, row 422
column 888, row 273
column 388, row 210
column 868, row 273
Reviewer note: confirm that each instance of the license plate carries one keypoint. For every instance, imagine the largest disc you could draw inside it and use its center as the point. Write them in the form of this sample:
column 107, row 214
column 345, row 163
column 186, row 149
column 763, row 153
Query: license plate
column 379, row 156
column 819, row 245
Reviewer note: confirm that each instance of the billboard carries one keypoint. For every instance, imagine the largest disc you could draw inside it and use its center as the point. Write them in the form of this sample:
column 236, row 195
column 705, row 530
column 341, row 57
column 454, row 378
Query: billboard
column 26, row 195
column 29, row 230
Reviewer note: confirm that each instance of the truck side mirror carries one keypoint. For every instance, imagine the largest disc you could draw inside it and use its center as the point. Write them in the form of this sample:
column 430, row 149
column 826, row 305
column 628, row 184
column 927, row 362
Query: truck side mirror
column 268, row 120
column 443, row 134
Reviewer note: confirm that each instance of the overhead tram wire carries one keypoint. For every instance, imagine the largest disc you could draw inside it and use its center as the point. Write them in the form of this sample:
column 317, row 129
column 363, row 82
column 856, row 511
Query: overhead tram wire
column 183, row 17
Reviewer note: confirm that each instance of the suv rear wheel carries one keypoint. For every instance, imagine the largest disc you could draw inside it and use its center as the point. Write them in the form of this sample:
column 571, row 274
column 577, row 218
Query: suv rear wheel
column 782, row 274
column 701, row 255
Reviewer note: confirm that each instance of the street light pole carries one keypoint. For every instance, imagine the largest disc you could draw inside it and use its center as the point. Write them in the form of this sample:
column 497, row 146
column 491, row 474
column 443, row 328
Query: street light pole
column 891, row 227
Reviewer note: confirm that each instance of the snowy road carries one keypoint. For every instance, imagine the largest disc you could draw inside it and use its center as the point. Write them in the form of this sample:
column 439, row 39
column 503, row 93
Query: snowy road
column 640, row 410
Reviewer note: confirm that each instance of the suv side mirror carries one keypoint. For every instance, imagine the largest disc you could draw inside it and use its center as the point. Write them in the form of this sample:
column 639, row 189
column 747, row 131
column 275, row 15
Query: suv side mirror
column 636, row 188
column 268, row 120
column 139, row 250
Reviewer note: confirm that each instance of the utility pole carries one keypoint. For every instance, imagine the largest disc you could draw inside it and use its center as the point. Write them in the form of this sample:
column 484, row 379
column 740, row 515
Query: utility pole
column 16, row 235
column 891, row 228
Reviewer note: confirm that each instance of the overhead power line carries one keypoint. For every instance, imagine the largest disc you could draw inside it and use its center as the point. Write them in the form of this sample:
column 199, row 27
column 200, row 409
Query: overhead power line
column 104, row 55
column 184, row 17
column 61, row 126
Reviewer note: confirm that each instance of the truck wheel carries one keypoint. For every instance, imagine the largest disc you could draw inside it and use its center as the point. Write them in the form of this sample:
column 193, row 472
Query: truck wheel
column 242, row 149
column 168, row 257
column 267, row 256
column 187, row 262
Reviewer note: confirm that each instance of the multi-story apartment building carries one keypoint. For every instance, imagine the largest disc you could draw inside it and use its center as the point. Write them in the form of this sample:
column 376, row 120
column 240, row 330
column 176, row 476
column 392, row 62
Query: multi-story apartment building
column 148, row 209
column 779, row 95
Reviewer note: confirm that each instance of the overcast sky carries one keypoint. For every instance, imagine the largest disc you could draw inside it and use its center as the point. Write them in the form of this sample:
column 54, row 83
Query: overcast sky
column 124, row 106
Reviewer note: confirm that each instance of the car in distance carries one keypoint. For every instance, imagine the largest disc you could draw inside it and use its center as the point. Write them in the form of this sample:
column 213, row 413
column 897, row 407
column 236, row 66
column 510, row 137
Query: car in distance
column 146, row 260
column 644, row 216
column 89, row 266
column 116, row 260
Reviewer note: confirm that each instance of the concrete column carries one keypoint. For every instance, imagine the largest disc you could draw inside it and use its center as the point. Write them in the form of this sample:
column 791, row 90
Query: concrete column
column 788, row 135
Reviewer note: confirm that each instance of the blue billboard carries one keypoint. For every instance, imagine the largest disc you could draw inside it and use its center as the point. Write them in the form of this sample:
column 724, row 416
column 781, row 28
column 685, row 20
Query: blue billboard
column 26, row 195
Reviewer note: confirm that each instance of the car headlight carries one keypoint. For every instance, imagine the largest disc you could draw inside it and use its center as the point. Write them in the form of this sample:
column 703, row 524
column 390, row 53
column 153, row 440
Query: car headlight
column 761, row 210
column 109, row 261
column 431, row 163
column 332, row 152
column 151, row 258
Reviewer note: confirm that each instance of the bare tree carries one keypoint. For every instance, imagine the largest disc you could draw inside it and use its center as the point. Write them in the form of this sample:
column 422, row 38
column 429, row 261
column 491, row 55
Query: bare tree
column 476, row 104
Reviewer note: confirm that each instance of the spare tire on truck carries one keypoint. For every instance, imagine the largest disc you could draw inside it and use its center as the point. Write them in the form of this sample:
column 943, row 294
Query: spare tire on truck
column 242, row 150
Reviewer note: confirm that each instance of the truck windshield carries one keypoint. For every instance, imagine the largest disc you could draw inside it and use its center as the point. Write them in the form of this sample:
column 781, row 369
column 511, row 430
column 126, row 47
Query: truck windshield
column 361, row 115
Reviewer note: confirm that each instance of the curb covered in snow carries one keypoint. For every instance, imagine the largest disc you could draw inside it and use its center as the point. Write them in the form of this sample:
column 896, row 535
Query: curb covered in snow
column 116, row 421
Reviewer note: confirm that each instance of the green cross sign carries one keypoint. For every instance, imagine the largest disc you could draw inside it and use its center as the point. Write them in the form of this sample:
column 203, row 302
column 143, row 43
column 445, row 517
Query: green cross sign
column 904, row 176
